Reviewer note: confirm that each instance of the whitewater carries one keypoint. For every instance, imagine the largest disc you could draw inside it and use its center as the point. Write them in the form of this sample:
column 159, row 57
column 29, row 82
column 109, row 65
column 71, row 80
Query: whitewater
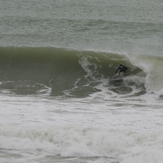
column 57, row 100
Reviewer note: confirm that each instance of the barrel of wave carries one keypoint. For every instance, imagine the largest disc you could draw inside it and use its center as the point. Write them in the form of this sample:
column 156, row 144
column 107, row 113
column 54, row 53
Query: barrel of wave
column 153, row 67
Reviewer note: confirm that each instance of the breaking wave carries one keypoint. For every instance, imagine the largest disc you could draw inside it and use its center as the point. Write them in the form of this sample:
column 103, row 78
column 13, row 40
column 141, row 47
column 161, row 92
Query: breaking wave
column 31, row 70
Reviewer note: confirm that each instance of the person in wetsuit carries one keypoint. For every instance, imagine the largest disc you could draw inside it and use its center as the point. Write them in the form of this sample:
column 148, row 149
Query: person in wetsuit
column 121, row 69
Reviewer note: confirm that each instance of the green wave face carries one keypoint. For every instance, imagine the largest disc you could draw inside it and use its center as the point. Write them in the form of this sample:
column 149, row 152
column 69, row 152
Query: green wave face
column 77, row 72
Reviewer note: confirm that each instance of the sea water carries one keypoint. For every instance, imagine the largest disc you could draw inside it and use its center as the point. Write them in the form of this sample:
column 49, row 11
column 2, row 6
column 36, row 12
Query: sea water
column 58, row 102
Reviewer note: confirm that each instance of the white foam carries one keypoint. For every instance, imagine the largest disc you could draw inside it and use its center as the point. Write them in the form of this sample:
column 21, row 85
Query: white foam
column 81, row 128
column 123, row 144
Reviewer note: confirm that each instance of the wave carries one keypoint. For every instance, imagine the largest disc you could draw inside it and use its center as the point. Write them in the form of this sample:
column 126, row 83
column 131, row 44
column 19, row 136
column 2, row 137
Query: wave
column 28, row 70
column 84, row 142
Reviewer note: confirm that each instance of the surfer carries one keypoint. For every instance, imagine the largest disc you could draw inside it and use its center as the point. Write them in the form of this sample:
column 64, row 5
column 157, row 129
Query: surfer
column 121, row 69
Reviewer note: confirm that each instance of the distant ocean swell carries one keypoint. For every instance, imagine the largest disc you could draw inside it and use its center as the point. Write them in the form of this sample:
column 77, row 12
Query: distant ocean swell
column 28, row 70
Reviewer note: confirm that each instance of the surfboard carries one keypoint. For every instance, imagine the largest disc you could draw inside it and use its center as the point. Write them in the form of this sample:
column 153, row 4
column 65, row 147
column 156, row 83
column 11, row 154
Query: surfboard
column 116, row 79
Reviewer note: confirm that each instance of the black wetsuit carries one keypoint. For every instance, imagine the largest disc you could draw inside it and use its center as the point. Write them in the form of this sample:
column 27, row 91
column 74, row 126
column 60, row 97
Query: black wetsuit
column 121, row 68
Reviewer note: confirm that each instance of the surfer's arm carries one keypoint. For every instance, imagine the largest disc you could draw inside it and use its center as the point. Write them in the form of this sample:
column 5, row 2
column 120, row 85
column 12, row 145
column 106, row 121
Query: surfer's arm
column 117, row 70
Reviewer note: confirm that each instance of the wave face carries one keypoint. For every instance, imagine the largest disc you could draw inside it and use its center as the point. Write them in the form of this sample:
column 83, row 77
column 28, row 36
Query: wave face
column 29, row 70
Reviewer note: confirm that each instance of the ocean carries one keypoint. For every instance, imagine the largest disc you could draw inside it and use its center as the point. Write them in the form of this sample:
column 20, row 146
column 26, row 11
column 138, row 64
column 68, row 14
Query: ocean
column 58, row 103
